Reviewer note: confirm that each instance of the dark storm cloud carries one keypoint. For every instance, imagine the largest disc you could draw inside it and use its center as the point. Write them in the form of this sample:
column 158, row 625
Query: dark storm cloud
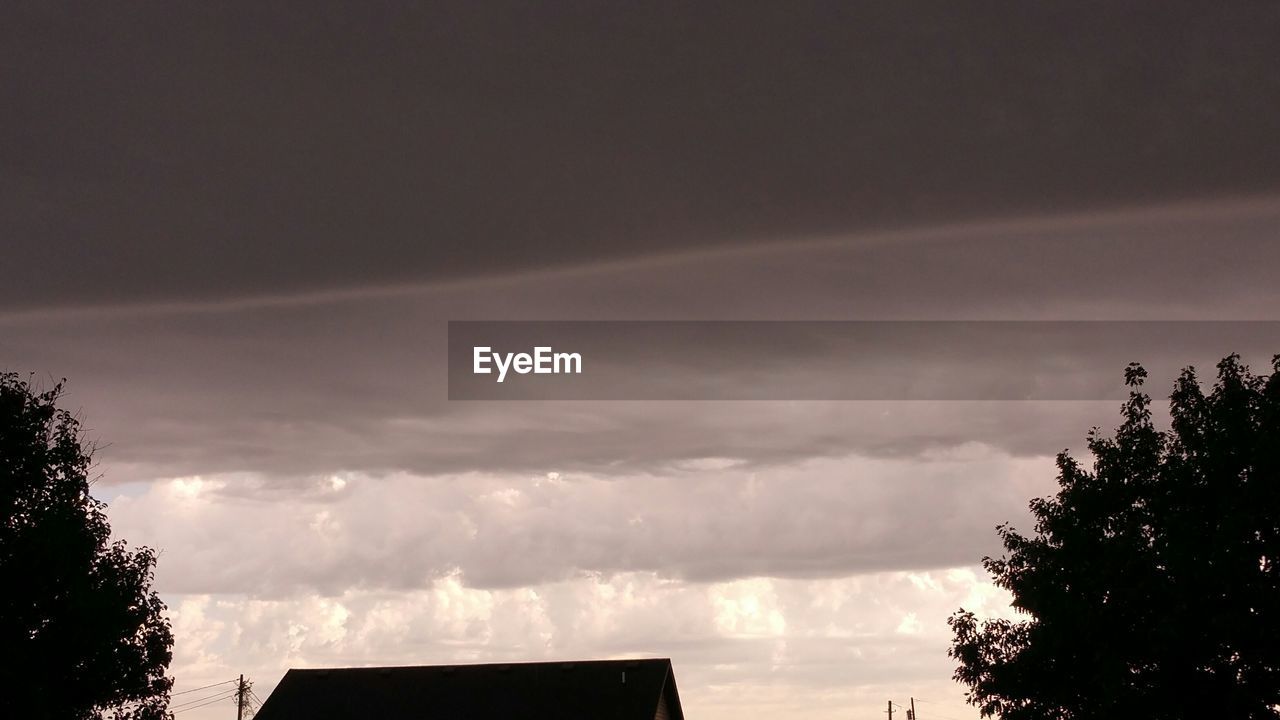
column 211, row 151
column 299, row 387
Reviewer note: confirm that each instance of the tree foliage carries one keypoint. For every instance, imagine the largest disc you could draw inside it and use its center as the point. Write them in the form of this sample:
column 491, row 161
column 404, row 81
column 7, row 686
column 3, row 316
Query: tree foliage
column 82, row 633
column 1151, row 585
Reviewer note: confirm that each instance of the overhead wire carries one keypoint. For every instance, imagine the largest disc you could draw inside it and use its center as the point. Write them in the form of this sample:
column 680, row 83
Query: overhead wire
column 932, row 714
column 193, row 704
column 206, row 687
column 218, row 696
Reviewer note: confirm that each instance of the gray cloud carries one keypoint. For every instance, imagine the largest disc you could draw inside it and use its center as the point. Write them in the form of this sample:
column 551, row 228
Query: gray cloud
column 305, row 386
column 183, row 151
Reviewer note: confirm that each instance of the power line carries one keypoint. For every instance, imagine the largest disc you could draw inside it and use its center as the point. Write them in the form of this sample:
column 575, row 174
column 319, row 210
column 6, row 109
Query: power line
column 242, row 693
column 206, row 687
column 911, row 710
column 207, row 697
column 219, row 696
column 211, row 702
column 197, row 707
column 935, row 715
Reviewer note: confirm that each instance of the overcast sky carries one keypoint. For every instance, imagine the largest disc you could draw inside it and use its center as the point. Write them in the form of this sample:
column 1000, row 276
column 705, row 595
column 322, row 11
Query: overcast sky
column 240, row 233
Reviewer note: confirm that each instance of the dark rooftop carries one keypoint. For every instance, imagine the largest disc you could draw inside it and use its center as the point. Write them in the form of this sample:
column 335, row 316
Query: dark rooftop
column 598, row 689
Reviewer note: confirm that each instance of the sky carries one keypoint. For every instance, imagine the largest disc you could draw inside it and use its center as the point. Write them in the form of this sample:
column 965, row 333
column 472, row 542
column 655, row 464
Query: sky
column 240, row 233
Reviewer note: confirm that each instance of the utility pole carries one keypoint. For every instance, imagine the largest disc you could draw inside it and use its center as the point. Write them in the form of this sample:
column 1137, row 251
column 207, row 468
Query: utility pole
column 240, row 699
column 890, row 710
column 911, row 714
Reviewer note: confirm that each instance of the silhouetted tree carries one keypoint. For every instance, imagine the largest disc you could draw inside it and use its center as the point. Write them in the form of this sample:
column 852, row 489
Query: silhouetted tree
column 81, row 632
column 1151, row 585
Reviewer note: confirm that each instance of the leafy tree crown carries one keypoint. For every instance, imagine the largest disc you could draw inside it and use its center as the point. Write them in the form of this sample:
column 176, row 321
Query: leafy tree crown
column 85, row 633
column 1150, row 586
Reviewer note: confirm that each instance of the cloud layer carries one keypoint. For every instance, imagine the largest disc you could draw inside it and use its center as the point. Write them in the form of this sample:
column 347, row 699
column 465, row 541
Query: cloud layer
column 320, row 384
column 241, row 231
column 198, row 152
column 318, row 500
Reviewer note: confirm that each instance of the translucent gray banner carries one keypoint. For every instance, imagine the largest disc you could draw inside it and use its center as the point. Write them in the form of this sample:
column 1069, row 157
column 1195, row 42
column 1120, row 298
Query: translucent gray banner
column 822, row 360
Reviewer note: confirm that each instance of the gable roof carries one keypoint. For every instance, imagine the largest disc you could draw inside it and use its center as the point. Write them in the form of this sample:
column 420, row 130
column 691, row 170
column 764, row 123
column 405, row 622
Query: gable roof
column 597, row 689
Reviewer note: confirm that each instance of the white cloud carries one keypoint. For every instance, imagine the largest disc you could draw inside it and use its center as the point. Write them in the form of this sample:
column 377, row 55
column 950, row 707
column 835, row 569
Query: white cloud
column 820, row 518
column 771, row 590
column 741, row 648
